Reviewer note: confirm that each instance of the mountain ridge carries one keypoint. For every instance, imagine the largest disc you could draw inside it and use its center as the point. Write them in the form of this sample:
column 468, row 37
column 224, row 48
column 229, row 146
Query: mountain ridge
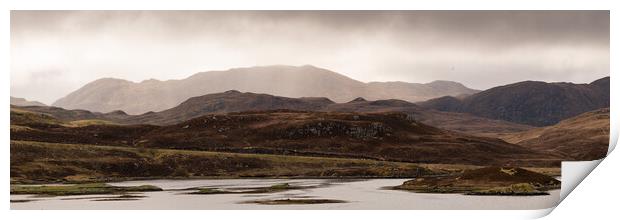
column 108, row 94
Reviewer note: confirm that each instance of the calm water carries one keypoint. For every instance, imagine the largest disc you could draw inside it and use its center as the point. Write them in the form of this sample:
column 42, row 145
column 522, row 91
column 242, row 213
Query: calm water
column 359, row 194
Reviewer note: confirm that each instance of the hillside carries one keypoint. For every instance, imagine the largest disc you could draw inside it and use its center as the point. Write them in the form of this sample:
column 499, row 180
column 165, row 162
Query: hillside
column 583, row 137
column 380, row 136
column 530, row 102
column 105, row 95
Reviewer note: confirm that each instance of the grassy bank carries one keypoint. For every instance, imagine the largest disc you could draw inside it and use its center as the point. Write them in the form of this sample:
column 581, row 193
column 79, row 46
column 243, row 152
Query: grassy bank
column 39, row 162
column 81, row 189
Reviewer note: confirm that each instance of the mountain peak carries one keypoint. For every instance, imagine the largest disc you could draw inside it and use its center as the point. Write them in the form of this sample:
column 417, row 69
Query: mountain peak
column 358, row 99
column 109, row 80
column 151, row 80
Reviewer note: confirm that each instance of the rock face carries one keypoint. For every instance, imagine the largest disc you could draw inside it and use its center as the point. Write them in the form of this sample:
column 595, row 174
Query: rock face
column 530, row 102
column 23, row 102
column 583, row 137
column 105, row 95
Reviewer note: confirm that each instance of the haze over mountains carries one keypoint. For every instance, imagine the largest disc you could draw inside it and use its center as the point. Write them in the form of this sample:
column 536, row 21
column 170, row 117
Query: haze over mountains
column 23, row 102
column 110, row 94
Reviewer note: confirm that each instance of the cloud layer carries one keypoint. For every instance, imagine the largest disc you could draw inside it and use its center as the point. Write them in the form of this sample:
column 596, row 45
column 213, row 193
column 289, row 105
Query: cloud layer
column 56, row 52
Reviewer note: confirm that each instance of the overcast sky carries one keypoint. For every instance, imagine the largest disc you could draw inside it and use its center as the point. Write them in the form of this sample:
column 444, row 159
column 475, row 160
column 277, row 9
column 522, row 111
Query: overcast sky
column 55, row 52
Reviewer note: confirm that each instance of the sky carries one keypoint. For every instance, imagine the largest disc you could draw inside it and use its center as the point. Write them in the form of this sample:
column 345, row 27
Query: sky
column 56, row 52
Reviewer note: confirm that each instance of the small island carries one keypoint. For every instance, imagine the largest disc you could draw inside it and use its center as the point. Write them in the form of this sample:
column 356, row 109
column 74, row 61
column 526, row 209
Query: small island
column 294, row 201
column 254, row 190
column 485, row 181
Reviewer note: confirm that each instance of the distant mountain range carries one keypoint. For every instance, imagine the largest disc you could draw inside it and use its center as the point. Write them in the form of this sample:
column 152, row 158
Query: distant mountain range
column 530, row 102
column 23, row 102
column 108, row 94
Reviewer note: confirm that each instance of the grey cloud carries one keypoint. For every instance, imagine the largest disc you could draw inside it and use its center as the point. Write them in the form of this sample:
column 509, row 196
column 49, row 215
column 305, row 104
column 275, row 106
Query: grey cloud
column 472, row 47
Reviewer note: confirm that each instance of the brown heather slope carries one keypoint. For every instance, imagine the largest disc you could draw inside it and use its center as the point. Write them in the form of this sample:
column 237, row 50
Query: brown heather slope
column 382, row 136
column 584, row 137
column 105, row 95
column 530, row 102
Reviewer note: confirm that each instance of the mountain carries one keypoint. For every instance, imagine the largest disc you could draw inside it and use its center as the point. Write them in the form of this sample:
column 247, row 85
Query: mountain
column 378, row 136
column 583, row 137
column 530, row 102
column 24, row 102
column 105, row 95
